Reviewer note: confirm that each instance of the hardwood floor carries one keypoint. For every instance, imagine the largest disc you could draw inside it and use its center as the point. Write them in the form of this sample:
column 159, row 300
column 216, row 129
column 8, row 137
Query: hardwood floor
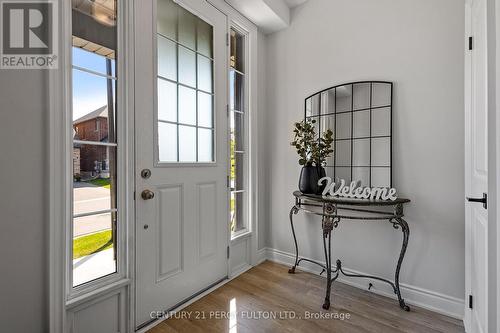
column 267, row 290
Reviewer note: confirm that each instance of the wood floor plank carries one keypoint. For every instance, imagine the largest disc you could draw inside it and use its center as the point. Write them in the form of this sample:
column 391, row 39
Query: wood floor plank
column 268, row 299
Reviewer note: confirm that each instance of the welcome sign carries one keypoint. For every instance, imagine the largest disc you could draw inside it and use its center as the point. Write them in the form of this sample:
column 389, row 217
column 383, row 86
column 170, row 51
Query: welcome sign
column 354, row 190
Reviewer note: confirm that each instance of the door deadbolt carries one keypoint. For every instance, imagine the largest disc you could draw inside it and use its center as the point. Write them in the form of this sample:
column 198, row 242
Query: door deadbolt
column 145, row 173
column 147, row 195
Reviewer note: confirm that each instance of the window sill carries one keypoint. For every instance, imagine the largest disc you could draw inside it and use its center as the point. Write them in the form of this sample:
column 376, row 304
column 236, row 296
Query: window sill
column 73, row 302
column 240, row 235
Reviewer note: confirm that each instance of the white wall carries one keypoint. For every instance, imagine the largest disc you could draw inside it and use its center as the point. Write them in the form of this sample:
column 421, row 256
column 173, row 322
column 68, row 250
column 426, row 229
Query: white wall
column 419, row 45
column 23, row 201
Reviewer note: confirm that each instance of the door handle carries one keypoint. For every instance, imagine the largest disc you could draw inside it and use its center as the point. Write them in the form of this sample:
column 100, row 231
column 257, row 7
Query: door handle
column 483, row 200
column 147, row 195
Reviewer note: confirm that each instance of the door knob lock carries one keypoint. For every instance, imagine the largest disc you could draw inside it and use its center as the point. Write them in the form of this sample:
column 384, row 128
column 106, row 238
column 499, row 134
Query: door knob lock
column 147, row 195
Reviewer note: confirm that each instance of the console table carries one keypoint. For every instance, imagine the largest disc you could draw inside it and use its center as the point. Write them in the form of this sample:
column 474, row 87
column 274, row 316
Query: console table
column 335, row 209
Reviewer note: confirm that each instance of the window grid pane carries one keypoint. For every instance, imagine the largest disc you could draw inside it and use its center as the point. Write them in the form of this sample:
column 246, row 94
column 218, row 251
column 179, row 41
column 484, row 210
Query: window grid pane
column 190, row 135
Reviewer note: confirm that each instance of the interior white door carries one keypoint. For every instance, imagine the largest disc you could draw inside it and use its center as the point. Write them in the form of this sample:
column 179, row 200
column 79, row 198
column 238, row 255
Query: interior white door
column 181, row 152
column 476, row 169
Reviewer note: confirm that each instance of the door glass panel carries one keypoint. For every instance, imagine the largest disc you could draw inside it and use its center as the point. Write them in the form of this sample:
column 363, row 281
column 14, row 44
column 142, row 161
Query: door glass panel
column 205, row 138
column 204, row 74
column 187, row 67
column 187, row 28
column 167, row 141
column 167, row 19
column 205, row 114
column 187, row 106
column 167, row 100
column 187, row 143
column 184, row 58
column 167, row 58
column 95, row 209
column 204, row 41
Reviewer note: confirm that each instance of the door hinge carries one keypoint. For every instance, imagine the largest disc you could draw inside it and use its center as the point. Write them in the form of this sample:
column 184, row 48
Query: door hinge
column 470, row 301
column 227, row 182
column 228, row 252
column 470, row 43
column 227, row 38
column 227, row 110
column 134, row 195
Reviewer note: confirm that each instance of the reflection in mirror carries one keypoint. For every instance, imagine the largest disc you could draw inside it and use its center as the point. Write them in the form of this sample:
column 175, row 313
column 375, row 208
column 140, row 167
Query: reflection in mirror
column 343, row 129
column 360, row 115
column 381, row 177
column 381, row 122
column 361, row 97
column 361, row 174
column 382, row 152
column 361, row 152
column 361, row 124
column 343, row 156
column 381, row 94
column 344, row 98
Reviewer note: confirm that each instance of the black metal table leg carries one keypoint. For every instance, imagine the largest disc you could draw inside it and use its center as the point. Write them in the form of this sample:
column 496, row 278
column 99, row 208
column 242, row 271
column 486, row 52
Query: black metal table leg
column 328, row 261
column 294, row 211
column 330, row 220
column 399, row 222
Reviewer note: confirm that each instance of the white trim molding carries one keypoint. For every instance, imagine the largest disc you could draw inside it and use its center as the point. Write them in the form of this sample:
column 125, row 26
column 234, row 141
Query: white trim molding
column 427, row 299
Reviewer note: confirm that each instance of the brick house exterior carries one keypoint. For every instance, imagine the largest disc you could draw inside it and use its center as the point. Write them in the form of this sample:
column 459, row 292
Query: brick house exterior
column 92, row 127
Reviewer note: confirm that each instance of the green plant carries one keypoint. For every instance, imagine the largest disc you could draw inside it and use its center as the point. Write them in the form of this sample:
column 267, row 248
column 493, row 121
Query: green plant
column 311, row 149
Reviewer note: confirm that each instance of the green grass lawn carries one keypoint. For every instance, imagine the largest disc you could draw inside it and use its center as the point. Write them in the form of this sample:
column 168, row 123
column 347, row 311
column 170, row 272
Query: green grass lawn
column 85, row 245
column 102, row 182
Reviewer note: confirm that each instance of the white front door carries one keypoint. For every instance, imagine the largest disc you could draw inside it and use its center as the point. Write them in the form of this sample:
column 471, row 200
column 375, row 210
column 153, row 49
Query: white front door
column 476, row 169
column 181, row 152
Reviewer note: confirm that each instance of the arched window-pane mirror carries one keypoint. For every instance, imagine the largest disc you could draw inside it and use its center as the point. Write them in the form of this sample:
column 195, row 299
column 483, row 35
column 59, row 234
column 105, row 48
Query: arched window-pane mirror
column 360, row 116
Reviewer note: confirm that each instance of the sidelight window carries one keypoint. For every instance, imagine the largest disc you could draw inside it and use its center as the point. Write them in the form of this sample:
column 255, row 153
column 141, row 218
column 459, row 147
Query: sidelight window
column 238, row 138
column 95, row 145
column 185, row 116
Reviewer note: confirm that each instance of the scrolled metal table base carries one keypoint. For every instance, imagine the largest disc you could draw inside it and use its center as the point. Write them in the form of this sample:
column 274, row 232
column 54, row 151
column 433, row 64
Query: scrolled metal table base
column 330, row 220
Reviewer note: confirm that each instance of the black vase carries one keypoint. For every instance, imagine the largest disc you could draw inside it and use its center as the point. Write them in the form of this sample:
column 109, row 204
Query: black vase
column 308, row 181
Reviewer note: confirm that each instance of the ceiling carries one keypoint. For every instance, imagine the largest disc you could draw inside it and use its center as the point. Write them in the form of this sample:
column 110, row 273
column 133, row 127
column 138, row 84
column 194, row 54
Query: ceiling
column 269, row 15
column 294, row 3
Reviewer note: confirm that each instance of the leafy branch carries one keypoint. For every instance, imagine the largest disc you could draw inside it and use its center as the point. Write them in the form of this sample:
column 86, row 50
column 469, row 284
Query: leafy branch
column 311, row 149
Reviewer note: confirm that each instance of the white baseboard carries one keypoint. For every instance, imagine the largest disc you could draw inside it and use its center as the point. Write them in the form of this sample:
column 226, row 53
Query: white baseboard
column 427, row 299
column 239, row 270
column 261, row 256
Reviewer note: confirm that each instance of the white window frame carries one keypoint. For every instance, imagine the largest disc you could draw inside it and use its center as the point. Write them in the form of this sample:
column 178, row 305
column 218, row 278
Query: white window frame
column 62, row 295
column 247, row 118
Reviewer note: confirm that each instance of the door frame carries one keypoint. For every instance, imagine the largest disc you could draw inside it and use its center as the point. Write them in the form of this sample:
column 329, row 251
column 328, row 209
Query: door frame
column 493, row 112
column 59, row 101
